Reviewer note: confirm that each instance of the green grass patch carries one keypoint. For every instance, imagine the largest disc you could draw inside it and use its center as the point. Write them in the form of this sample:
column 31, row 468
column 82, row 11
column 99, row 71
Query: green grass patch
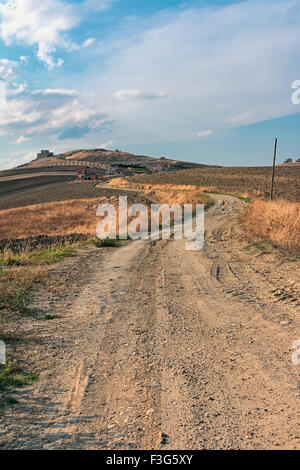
column 109, row 242
column 12, row 377
column 209, row 204
column 37, row 257
column 47, row 316
column 245, row 199
column 16, row 290
column 260, row 246
column 294, row 258
column 106, row 243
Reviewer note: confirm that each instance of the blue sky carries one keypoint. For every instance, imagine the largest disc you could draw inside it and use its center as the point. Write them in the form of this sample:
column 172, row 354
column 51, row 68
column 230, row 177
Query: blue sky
column 203, row 81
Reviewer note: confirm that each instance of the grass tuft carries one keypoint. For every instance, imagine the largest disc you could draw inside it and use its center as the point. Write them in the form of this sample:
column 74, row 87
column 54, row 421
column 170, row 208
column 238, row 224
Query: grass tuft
column 106, row 243
column 47, row 316
column 36, row 257
column 12, row 377
column 16, row 289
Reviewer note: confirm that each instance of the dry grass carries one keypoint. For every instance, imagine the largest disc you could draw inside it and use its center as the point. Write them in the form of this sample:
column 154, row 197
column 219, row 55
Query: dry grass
column 124, row 183
column 165, row 193
column 79, row 215
column 55, row 218
column 277, row 221
column 36, row 257
column 178, row 197
column 16, row 285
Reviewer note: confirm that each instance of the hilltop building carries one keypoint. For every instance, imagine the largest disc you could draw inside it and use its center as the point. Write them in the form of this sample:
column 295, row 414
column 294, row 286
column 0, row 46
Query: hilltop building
column 45, row 154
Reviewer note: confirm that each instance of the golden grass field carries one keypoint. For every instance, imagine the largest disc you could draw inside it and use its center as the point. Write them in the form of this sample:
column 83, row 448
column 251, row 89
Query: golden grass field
column 128, row 184
column 277, row 221
column 76, row 216
column 54, row 218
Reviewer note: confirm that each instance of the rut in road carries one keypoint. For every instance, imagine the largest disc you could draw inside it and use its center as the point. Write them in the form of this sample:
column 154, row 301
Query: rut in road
column 168, row 349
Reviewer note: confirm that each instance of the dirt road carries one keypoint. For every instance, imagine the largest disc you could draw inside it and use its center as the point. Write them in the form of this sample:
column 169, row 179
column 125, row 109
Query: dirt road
column 158, row 347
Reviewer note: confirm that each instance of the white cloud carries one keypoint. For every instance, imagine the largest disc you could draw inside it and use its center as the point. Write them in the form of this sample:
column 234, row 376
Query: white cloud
column 7, row 69
column 204, row 133
column 45, row 24
column 108, row 144
column 16, row 159
column 241, row 118
column 98, row 5
column 222, row 66
column 55, row 92
column 137, row 95
column 22, row 139
column 59, row 112
column 16, row 90
column 38, row 23
column 88, row 42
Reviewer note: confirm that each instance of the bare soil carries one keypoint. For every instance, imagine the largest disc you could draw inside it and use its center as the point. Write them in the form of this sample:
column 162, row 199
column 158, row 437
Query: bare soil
column 156, row 347
column 52, row 192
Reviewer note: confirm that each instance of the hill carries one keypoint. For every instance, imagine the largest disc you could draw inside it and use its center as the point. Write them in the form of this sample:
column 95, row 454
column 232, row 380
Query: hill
column 100, row 156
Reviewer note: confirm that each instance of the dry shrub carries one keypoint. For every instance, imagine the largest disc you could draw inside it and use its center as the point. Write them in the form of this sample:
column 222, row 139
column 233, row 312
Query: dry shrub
column 118, row 183
column 278, row 221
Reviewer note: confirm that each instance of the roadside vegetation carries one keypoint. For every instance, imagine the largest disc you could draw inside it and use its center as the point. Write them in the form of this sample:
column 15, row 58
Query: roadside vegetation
column 21, row 275
column 107, row 242
column 16, row 288
column 12, row 377
column 277, row 221
column 37, row 257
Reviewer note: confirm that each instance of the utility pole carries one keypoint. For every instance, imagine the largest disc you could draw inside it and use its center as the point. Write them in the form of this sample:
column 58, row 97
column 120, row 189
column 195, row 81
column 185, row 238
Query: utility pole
column 273, row 172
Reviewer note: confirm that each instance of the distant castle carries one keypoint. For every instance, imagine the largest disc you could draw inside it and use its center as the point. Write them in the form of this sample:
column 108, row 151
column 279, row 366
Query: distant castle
column 45, row 154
